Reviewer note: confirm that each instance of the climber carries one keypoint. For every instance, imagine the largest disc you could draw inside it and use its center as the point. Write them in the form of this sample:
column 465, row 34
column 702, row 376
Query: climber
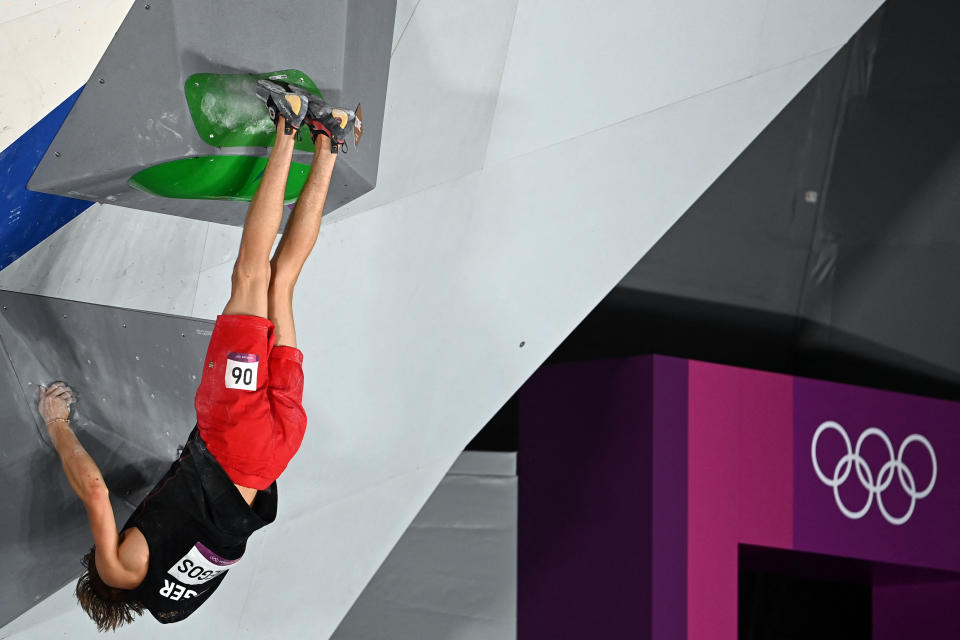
column 192, row 527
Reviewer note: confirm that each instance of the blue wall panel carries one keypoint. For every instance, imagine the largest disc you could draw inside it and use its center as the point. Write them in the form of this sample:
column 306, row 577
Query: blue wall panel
column 28, row 216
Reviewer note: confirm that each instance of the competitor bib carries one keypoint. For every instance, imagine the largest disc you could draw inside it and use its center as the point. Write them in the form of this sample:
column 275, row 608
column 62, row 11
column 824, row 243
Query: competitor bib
column 199, row 565
column 242, row 371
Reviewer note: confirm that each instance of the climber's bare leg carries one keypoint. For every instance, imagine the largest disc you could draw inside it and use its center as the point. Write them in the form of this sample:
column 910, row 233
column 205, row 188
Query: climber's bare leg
column 298, row 240
column 251, row 272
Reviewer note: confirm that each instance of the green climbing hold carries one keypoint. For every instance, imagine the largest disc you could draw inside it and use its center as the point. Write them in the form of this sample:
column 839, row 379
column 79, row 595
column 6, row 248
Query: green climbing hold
column 227, row 112
column 215, row 178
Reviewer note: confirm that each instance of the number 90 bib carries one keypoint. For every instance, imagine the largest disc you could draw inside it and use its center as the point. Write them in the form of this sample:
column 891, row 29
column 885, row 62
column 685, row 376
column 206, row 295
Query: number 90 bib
column 242, row 371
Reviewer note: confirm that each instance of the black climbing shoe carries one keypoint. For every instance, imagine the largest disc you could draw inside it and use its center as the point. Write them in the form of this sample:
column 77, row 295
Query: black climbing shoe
column 282, row 102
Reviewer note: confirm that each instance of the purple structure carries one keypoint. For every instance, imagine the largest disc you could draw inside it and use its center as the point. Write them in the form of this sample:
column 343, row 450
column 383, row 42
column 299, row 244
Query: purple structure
column 641, row 478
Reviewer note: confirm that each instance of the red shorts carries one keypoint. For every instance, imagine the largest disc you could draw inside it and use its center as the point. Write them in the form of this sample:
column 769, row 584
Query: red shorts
column 249, row 404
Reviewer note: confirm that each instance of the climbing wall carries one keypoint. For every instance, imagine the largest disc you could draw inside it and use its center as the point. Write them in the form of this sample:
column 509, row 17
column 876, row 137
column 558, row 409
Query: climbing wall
column 522, row 172
column 169, row 121
column 135, row 374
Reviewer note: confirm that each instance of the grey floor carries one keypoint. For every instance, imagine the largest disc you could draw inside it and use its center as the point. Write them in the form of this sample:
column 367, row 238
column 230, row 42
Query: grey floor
column 452, row 576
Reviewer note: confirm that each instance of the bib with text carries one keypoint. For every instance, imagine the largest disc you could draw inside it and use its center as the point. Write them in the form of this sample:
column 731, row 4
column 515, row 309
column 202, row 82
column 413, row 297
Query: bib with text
column 242, row 371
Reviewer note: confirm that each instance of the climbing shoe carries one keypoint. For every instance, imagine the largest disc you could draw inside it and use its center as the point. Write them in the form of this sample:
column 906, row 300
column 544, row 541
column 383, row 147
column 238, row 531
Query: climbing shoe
column 280, row 101
column 332, row 122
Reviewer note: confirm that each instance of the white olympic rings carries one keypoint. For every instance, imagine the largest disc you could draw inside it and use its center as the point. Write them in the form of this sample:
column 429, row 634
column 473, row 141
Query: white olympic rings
column 875, row 487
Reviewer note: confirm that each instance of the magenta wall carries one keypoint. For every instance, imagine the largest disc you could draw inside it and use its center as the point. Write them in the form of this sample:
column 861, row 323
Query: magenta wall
column 740, row 470
column 640, row 478
column 585, row 502
column 928, row 537
column 925, row 610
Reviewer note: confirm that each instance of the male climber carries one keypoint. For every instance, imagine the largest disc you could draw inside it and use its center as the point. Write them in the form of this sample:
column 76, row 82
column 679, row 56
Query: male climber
column 176, row 548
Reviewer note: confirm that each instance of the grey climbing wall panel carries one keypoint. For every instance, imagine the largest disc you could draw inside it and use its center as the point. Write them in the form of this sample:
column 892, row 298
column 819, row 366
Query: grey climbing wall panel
column 453, row 574
column 135, row 373
column 133, row 113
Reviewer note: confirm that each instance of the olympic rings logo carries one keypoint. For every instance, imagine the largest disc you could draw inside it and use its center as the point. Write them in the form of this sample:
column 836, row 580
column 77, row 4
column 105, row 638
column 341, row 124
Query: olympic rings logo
column 875, row 487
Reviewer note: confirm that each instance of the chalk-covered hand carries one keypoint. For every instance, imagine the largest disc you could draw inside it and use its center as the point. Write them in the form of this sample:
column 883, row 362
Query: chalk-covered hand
column 55, row 401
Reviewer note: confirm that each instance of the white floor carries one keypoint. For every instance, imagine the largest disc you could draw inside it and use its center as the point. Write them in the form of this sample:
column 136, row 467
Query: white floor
column 565, row 139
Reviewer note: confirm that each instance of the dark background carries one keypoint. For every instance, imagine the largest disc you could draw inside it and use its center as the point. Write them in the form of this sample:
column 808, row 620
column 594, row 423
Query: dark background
column 828, row 249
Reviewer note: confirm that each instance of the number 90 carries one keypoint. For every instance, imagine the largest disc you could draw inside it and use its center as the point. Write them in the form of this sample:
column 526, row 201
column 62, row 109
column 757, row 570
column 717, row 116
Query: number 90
column 240, row 374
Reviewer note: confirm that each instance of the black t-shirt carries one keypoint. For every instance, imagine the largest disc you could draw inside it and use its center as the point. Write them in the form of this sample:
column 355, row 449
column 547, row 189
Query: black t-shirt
column 196, row 524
